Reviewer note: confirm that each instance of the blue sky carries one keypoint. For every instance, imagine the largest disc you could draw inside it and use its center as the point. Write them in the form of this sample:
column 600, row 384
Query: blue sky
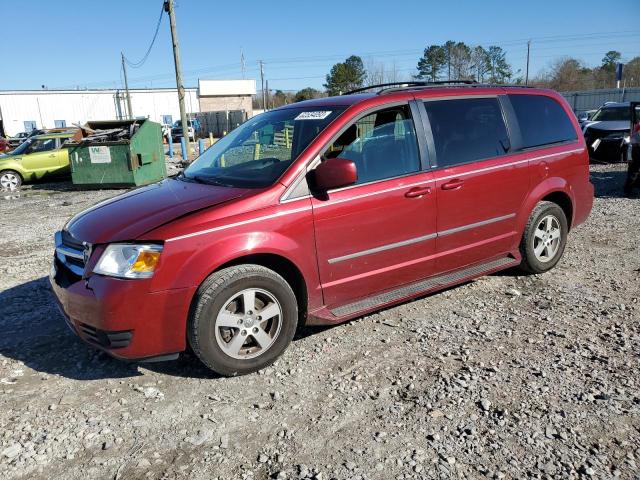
column 65, row 44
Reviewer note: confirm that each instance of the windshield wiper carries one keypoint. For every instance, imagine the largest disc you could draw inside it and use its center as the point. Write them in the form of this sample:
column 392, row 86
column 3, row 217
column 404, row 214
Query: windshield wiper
column 208, row 180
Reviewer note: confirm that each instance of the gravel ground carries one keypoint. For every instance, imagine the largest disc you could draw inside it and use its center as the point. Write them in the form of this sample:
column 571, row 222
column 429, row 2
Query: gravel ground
column 505, row 377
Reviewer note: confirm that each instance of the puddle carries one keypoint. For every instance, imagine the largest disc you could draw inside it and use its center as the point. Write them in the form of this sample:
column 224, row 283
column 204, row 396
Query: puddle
column 18, row 194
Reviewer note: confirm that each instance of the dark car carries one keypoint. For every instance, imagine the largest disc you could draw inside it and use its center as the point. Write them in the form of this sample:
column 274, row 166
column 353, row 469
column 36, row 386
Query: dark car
column 17, row 139
column 607, row 133
column 322, row 211
column 177, row 131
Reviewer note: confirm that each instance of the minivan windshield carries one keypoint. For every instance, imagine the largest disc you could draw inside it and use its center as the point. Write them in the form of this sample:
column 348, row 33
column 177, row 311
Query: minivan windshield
column 259, row 151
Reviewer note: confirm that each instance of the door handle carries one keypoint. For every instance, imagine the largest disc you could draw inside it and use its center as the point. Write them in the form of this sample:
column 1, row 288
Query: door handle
column 453, row 184
column 418, row 192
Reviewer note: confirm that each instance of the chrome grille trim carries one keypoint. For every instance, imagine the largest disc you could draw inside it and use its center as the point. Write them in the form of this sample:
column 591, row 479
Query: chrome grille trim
column 69, row 252
column 72, row 258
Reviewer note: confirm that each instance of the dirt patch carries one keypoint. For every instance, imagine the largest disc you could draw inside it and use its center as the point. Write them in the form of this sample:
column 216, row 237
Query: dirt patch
column 505, row 377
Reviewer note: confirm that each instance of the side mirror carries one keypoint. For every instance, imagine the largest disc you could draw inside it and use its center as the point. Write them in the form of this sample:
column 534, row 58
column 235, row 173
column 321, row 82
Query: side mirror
column 335, row 173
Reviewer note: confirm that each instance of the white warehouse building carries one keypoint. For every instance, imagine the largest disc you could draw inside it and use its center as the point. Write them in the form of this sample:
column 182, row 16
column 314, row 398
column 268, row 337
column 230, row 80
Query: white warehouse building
column 24, row 110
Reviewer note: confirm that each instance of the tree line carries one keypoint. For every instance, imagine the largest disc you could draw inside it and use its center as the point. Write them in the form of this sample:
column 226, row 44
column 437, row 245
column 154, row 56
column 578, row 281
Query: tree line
column 567, row 74
column 459, row 61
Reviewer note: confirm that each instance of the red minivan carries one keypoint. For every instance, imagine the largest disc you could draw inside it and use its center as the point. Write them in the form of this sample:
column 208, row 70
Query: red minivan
column 322, row 211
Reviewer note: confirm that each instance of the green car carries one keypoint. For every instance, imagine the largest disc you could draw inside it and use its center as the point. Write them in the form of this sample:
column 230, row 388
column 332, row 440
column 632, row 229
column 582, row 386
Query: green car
column 37, row 157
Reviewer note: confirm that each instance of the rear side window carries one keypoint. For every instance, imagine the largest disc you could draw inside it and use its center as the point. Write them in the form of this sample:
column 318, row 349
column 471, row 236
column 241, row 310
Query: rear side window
column 542, row 120
column 467, row 130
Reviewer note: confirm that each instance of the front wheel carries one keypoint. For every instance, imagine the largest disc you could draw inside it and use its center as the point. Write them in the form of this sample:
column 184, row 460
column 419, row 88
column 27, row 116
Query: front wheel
column 10, row 180
column 544, row 238
column 242, row 319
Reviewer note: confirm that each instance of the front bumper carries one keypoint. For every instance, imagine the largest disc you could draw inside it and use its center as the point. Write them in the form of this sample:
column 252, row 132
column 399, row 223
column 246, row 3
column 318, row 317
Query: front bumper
column 122, row 317
column 610, row 148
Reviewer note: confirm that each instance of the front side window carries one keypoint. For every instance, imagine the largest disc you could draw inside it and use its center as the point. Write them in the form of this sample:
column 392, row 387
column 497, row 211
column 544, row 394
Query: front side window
column 259, row 151
column 467, row 130
column 542, row 120
column 382, row 145
column 42, row 145
column 35, row 145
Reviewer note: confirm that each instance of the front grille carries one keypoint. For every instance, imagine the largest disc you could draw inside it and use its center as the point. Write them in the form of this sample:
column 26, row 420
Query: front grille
column 105, row 339
column 609, row 149
column 70, row 241
column 71, row 252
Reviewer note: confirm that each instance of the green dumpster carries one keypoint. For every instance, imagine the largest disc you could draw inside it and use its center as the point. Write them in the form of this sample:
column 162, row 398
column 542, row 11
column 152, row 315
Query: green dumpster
column 118, row 153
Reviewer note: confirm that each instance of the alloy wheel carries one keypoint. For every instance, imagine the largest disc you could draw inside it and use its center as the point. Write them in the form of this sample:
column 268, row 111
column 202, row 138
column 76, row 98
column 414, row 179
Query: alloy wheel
column 9, row 181
column 248, row 324
column 546, row 239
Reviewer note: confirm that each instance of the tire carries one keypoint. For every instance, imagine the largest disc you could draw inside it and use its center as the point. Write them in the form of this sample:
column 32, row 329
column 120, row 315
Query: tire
column 10, row 180
column 228, row 334
column 541, row 250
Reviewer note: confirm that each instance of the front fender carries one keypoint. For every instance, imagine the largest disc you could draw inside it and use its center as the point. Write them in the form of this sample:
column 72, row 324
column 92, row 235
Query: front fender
column 13, row 165
column 208, row 259
column 188, row 262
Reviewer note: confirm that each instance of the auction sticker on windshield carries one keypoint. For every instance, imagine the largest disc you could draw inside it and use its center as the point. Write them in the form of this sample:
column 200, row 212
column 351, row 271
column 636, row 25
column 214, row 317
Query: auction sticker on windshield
column 317, row 115
column 100, row 154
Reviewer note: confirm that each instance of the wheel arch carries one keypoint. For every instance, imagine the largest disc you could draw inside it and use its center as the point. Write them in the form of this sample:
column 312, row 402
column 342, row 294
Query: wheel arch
column 14, row 169
column 554, row 189
column 283, row 267
column 563, row 200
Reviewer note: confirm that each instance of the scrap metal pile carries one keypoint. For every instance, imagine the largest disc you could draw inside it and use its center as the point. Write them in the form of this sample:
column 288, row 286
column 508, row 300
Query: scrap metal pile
column 98, row 135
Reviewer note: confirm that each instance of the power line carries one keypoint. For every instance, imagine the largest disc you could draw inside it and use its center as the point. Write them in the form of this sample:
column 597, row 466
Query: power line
column 146, row 55
column 552, row 42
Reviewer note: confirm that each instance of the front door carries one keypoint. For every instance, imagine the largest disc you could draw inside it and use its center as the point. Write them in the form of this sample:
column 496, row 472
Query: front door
column 41, row 157
column 380, row 232
column 480, row 187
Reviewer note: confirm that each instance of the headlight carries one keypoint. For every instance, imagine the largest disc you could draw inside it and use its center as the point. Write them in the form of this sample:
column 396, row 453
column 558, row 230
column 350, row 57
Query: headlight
column 129, row 260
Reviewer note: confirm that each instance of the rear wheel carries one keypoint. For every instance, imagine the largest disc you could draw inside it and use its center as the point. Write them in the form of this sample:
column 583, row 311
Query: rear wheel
column 10, row 180
column 544, row 238
column 242, row 319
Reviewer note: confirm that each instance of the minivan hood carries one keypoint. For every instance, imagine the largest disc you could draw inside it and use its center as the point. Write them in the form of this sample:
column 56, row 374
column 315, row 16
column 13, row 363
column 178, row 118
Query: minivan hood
column 130, row 215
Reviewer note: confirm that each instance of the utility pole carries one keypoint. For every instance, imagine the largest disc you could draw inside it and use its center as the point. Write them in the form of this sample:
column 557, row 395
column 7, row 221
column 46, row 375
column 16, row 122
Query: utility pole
column 264, row 104
column 168, row 7
column 268, row 93
column 126, row 87
column 242, row 66
column 526, row 76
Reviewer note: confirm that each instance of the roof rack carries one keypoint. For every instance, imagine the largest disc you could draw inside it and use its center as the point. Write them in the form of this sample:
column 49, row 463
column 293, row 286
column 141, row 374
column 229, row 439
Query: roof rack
column 399, row 86
column 410, row 84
